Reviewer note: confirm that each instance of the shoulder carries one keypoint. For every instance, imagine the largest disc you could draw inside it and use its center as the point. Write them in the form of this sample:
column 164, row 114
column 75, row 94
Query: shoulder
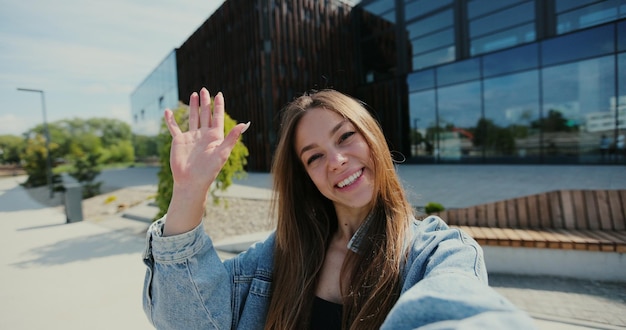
column 434, row 246
column 430, row 232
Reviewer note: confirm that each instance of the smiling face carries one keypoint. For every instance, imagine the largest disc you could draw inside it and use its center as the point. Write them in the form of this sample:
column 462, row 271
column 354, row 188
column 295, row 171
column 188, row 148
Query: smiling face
column 337, row 159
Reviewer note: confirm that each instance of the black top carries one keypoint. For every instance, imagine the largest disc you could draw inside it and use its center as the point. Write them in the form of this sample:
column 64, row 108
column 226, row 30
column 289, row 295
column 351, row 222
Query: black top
column 326, row 315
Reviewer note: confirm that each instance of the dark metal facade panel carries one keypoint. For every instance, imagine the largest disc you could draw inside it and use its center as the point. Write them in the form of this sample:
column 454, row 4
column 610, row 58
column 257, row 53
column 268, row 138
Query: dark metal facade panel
column 263, row 53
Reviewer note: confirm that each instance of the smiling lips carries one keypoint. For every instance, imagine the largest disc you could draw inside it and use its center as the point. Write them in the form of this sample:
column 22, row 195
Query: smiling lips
column 348, row 181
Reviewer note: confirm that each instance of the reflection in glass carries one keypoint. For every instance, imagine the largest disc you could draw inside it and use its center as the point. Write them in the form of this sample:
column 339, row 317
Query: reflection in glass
column 458, row 72
column 511, row 60
column 577, row 109
column 507, row 18
column 509, row 38
column 433, row 41
column 620, row 139
column 459, row 112
column 598, row 41
column 421, row 7
column 423, row 124
column 511, row 106
column 439, row 56
column 621, row 35
column 482, row 7
column 421, row 80
column 588, row 16
column 430, row 24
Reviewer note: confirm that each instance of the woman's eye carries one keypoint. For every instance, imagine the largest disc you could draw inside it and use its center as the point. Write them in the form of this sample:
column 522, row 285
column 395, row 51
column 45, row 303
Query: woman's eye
column 313, row 158
column 345, row 135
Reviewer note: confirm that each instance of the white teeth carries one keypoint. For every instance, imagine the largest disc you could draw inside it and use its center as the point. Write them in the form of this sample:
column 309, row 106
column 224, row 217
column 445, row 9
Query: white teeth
column 350, row 179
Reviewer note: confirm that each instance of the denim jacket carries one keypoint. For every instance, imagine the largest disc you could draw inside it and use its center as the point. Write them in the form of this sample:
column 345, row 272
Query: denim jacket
column 444, row 283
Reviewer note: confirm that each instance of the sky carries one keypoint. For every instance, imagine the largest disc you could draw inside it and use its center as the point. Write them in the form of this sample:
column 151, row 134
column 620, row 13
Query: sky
column 86, row 55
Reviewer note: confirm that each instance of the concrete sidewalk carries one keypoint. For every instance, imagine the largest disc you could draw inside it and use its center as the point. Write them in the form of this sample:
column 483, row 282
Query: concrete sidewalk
column 67, row 276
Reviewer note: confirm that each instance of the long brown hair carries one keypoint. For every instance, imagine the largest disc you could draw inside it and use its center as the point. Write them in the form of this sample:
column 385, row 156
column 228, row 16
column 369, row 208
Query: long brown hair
column 306, row 220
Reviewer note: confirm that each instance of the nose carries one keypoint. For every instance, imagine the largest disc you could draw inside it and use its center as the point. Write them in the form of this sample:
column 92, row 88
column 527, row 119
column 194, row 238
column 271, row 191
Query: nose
column 336, row 160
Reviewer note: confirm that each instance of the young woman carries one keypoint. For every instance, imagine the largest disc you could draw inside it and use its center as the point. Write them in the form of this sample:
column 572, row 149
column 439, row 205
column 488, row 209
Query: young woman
column 347, row 252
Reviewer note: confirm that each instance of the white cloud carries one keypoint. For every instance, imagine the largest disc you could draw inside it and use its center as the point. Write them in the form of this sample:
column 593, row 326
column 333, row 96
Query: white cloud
column 13, row 124
column 87, row 55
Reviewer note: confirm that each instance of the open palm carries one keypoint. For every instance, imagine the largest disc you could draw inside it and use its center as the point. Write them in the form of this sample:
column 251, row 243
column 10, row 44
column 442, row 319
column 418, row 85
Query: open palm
column 198, row 155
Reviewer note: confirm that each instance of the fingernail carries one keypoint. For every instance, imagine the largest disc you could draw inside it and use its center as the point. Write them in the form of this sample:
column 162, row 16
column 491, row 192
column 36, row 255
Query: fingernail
column 245, row 128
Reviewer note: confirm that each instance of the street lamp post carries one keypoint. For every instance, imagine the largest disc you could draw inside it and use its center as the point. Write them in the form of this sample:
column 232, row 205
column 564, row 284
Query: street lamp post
column 47, row 135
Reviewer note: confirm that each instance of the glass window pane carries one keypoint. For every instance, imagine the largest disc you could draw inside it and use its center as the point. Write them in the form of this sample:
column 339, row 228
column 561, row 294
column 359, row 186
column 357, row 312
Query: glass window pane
column 439, row 56
column 507, row 129
column 507, row 18
column 458, row 72
column 480, row 7
column 588, row 16
column 511, row 60
column 459, row 113
column 504, row 39
column 421, row 80
column 379, row 7
column 421, row 7
column 563, row 5
column 621, row 36
column 430, row 24
column 620, row 142
column 596, row 42
column 576, row 110
column 433, row 41
column 423, row 123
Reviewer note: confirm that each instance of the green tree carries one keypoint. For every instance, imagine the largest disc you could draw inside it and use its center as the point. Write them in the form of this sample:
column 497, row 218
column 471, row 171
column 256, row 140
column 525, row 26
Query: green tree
column 85, row 172
column 234, row 167
column 35, row 161
column 11, row 146
column 145, row 146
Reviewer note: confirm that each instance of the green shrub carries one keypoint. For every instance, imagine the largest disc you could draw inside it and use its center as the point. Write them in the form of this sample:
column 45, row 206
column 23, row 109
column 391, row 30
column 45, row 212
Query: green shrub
column 432, row 207
column 234, row 167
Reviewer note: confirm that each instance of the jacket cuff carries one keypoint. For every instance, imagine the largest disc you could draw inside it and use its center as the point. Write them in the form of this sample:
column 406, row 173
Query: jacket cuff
column 174, row 248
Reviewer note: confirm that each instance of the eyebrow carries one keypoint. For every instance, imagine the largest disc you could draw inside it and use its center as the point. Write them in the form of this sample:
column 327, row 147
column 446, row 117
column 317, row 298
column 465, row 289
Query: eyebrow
column 332, row 132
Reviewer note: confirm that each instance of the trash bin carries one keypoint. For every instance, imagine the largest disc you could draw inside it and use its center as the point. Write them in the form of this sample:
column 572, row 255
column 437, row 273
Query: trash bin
column 73, row 203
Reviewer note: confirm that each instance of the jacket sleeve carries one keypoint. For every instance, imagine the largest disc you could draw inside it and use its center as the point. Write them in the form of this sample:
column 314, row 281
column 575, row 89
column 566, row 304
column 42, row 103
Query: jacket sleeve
column 186, row 285
column 446, row 286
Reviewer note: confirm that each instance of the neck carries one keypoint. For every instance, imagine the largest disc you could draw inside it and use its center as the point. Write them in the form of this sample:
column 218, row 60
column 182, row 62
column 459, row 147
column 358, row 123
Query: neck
column 348, row 221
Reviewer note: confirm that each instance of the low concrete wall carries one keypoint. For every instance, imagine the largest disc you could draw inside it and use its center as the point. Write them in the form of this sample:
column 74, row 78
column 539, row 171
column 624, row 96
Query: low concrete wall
column 602, row 266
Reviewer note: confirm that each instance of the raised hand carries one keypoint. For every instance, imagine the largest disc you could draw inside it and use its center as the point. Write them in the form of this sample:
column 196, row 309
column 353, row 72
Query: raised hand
column 196, row 157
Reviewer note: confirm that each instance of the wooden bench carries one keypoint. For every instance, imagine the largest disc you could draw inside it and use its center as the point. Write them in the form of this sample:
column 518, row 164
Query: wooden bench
column 592, row 220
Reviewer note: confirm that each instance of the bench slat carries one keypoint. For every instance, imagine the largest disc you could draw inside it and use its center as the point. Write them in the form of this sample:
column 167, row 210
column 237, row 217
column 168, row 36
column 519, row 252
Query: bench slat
column 593, row 219
column 562, row 241
column 490, row 239
column 511, row 214
column 481, row 216
column 604, row 211
column 491, row 215
column 538, row 239
column 617, row 216
column 617, row 224
column 556, row 216
column 545, row 212
column 618, row 240
column 471, row 216
column 568, row 210
column 496, row 234
column 605, row 244
column 501, row 214
column 522, row 213
column 533, row 211
column 578, row 197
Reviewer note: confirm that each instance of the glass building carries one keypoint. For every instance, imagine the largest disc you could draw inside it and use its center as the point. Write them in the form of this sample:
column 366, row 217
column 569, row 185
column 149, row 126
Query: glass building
column 450, row 81
column 158, row 91
column 512, row 81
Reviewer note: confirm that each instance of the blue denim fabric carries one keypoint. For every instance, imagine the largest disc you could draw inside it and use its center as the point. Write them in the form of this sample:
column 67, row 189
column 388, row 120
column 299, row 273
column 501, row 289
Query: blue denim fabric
column 444, row 284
